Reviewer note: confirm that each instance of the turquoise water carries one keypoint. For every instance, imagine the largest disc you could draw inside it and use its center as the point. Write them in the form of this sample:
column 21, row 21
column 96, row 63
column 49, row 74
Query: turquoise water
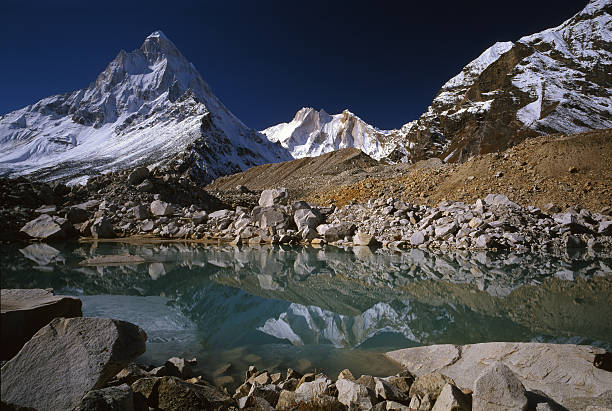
column 323, row 308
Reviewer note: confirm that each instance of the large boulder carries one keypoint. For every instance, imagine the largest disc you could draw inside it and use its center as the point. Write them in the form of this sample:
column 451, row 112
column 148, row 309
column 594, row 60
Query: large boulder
column 161, row 208
column 24, row 312
column 102, row 227
column 353, row 395
column 138, row 175
column 561, row 371
column 497, row 388
column 305, row 217
column 273, row 196
column 68, row 358
column 452, row 399
column 340, row 231
column 141, row 212
column 77, row 215
column 273, row 217
column 48, row 228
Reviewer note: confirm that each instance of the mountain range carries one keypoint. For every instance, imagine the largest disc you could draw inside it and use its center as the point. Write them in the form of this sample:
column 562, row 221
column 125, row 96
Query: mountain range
column 152, row 107
column 555, row 81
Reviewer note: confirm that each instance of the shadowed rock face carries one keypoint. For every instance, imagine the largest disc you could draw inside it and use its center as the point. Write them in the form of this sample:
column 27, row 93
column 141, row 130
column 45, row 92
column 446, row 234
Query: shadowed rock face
column 25, row 311
column 66, row 359
column 555, row 81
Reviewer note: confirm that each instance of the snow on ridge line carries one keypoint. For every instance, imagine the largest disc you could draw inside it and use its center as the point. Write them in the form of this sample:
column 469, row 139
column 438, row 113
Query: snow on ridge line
column 146, row 106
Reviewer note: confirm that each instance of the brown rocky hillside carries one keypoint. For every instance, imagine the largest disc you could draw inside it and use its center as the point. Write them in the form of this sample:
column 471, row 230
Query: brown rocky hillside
column 566, row 170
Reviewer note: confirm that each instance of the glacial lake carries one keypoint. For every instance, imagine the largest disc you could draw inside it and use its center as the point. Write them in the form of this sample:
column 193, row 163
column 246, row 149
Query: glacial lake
column 323, row 308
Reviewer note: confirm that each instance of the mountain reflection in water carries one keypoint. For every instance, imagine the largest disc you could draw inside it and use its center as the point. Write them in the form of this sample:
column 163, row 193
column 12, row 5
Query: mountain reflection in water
column 309, row 303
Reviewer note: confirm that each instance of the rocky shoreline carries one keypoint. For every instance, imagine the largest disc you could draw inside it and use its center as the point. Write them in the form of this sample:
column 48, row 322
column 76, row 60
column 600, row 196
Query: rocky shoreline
column 98, row 354
column 156, row 205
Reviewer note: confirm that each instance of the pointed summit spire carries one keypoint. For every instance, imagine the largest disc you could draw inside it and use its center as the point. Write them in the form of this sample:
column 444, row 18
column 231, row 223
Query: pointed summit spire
column 158, row 34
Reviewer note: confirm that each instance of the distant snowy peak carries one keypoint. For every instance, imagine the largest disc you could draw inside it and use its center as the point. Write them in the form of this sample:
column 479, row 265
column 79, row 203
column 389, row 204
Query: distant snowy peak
column 149, row 106
column 312, row 133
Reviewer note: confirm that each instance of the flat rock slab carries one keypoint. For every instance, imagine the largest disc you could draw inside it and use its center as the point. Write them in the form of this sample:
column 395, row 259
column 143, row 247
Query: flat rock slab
column 68, row 358
column 25, row 311
column 561, row 371
column 118, row 259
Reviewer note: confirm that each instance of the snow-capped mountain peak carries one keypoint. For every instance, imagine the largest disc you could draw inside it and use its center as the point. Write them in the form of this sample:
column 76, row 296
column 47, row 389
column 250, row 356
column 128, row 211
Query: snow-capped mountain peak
column 313, row 132
column 149, row 106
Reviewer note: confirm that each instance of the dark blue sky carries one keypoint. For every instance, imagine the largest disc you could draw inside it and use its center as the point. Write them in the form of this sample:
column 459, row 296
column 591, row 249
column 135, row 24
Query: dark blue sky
column 382, row 60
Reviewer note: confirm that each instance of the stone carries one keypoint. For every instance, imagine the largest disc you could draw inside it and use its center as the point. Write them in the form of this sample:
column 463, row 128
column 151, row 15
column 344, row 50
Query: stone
column 25, row 311
column 199, row 217
column 562, row 371
column 605, row 228
column 475, row 222
column 289, row 400
column 393, row 388
column 499, row 199
column 298, row 205
column 483, row 241
column 452, row 399
column 363, row 239
column 417, row 238
column 497, row 388
column 102, row 227
column 340, row 231
column 145, row 187
column 313, row 388
column 273, row 217
column 322, row 229
column 395, row 406
column 176, row 394
column 353, row 395
column 77, row 215
column 141, row 212
column 306, row 217
column 47, row 228
column 137, row 176
column 273, row 197
column 262, row 379
column 130, row 374
column 120, row 398
column 46, row 209
column 346, row 375
column 430, row 384
column 183, row 369
column 147, row 226
column 446, row 230
column 268, row 392
column 66, row 359
column 368, row 381
column 161, row 208
column 219, row 214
